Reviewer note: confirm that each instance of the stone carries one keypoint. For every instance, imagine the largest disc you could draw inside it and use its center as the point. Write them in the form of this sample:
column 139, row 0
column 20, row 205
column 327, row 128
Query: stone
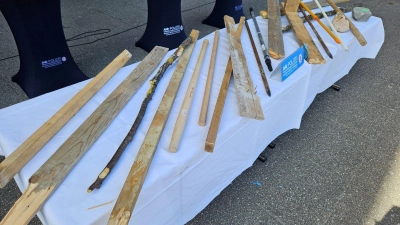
column 361, row 14
column 340, row 23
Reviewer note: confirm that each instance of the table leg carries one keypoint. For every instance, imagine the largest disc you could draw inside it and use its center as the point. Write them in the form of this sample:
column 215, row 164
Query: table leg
column 232, row 8
column 164, row 25
column 46, row 63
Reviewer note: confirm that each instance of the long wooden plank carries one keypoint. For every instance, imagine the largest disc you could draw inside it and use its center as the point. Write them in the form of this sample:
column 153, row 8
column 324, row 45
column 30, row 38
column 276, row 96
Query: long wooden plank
column 46, row 180
column 219, row 107
column 248, row 102
column 207, row 89
column 275, row 38
column 187, row 102
column 28, row 149
column 126, row 201
column 314, row 56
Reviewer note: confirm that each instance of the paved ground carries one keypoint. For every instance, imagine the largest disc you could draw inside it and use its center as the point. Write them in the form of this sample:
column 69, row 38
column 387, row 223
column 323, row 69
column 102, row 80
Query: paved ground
column 341, row 167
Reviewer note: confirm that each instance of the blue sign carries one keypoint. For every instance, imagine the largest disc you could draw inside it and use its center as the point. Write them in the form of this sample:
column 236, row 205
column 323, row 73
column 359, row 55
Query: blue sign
column 289, row 65
column 293, row 62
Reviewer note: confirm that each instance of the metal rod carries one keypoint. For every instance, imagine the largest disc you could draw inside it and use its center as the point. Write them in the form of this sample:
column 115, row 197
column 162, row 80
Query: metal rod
column 260, row 38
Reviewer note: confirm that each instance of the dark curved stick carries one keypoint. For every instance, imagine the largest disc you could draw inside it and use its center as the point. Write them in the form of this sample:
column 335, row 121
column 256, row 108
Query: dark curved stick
column 153, row 85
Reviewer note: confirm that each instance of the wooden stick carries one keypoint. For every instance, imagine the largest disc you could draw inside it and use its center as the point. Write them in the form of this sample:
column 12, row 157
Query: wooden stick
column 207, row 90
column 126, row 201
column 46, row 180
column 187, row 102
column 219, row 107
column 316, row 33
column 313, row 5
column 129, row 137
column 319, row 15
column 336, row 38
column 353, row 28
column 275, row 38
column 28, row 149
column 310, row 5
column 248, row 102
column 260, row 67
column 314, row 56
column 331, row 25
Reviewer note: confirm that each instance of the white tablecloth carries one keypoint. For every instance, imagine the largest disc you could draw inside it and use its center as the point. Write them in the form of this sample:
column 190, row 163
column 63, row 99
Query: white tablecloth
column 178, row 185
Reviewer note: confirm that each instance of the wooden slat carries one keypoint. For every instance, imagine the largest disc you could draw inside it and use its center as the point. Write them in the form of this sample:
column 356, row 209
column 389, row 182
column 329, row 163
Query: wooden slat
column 219, row 107
column 187, row 102
column 28, row 149
column 45, row 181
column 248, row 102
column 292, row 5
column 314, row 56
column 275, row 38
column 207, row 89
column 126, row 201
column 312, row 5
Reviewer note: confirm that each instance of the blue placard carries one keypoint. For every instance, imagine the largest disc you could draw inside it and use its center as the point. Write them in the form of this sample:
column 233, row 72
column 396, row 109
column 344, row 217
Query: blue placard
column 293, row 62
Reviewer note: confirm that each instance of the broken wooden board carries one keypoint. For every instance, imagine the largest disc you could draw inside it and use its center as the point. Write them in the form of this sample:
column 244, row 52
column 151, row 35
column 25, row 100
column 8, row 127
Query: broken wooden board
column 126, row 201
column 275, row 38
column 314, row 55
column 46, row 180
column 248, row 102
column 28, row 149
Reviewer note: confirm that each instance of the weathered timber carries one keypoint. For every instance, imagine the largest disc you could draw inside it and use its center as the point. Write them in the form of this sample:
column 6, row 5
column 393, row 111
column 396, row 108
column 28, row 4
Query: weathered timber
column 319, row 16
column 353, row 28
column 316, row 33
column 28, row 149
column 260, row 67
column 207, row 90
column 275, row 38
column 219, row 107
column 313, row 5
column 248, row 102
column 310, row 5
column 129, row 137
column 126, row 201
column 187, row 102
column 314, row 56
column 46, row 180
